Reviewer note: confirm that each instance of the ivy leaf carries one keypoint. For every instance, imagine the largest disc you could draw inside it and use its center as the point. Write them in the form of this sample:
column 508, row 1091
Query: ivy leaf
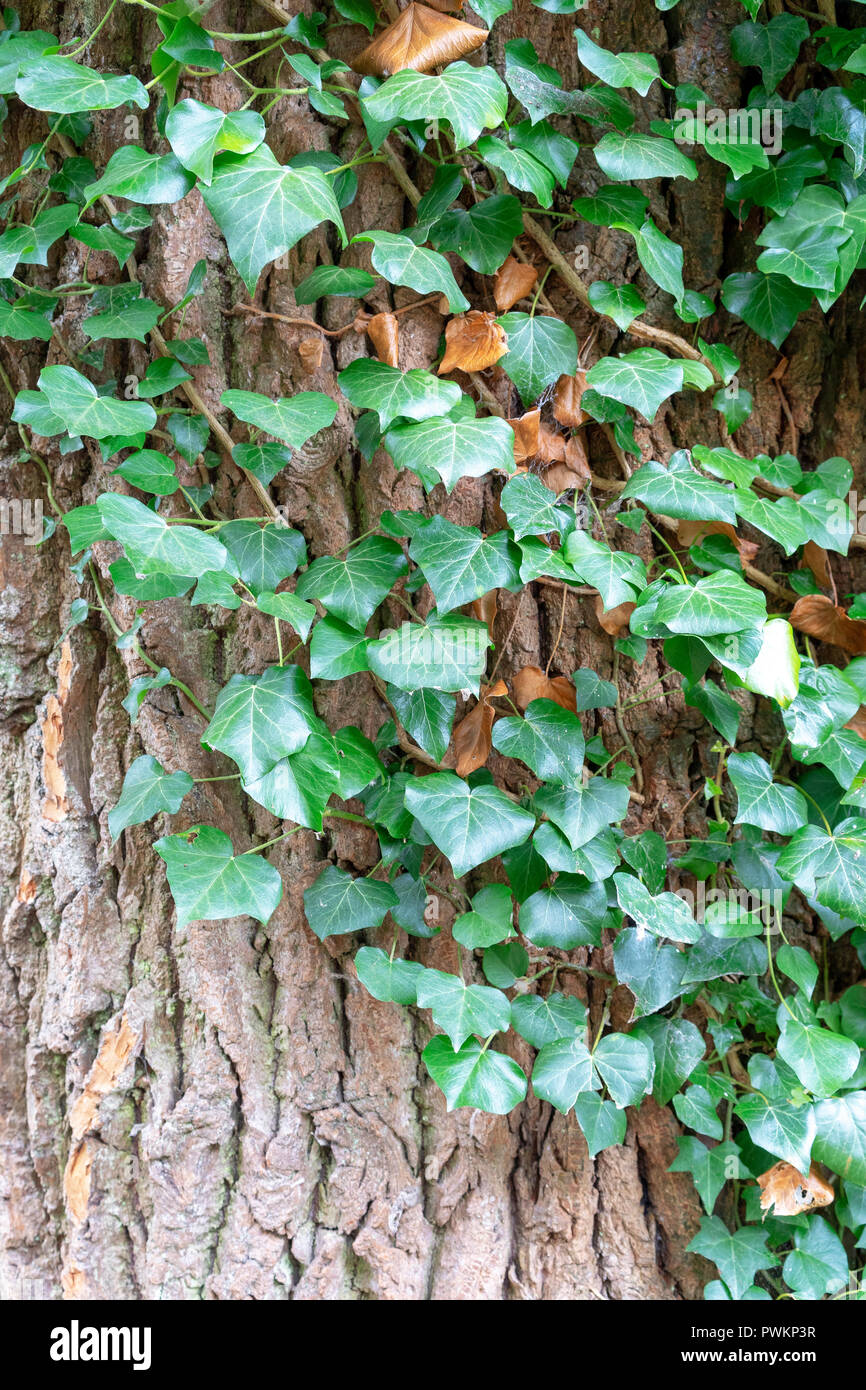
column 636, row 70
column 625, row 1065
column 209, row 882
column 483, row 234
column 549, row 739
column 469, row 99
column 622, row 303
column 531, row 507
column 293, row 419
column 618, row 575
column 566, row 915
column 664, row 914
column 337, row 650
column 603, row 1125
column 446, row 450
column 141, row 177
column 263, row 208
column 840, row 1142
column 352, row 588
column 653, row 972
column 334, row 279
column 552, row 149
column 403, row 263
column 581, row 812
column 737, row 1257
column 460, row 564
column 264, row 461
column 51, row 83
column 489, row 922
column 264, row 555
column 769, row 304
column 540, row 350
column 417, row 394
column 663, row 260
column 761, row 801
column 591, row 692
column 289, row 609
column 831, row 868
column 542, row 1019
column 785, row 1130
column 154, row 547
column 475, row 1076
column 772, row 47
column 677, row 1049
column 522, row 169
column 695, row 1107
column 22, row 324
column 260, row 719
column 299, row 787
column 709, row 1167
column 338, row 903
column 394, row 981
column 73, row 400
column 681, row 491
column 818, row 1264
column 130, row 316
column 468, row 824
column 197, row 132
column 720, row 603
column 642, row 379
column 562, row 1071
column 461, row 1010
column 441, row 654
column 163, row 375
column 147, row 789
column 427, row 716
column 626, row 157
column 822, row 1060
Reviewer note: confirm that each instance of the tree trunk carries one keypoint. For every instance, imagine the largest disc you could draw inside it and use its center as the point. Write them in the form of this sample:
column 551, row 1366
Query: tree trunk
column 224, row 1113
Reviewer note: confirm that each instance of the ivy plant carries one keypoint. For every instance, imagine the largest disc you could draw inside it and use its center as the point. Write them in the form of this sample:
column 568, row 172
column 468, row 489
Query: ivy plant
column 727, row 1020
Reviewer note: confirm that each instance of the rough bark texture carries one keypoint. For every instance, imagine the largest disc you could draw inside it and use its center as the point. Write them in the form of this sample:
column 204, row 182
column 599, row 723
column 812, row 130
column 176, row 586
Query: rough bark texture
column 225, row 1113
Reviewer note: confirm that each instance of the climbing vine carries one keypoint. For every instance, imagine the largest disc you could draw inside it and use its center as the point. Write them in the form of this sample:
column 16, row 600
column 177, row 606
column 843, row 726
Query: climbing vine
column 736, row 1028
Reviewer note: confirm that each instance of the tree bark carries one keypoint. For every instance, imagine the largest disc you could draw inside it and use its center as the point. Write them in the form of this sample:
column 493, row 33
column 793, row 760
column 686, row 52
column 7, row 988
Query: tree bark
column 225, row 1113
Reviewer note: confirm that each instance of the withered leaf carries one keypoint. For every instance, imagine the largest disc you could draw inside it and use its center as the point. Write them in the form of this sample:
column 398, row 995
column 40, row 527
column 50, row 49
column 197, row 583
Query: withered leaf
column 818, row 616
column 818, row 561
column 421, row 39
column 566, row 400
column 691, row 532
column 789, row 1192
column 514, row 279
column 310, row 351
column 383, row 331
column 532, row 684
column 857, row 722
column 473, row 341
column 472, row 742
column 614, row 620
column 484, row 609
column 526, row 430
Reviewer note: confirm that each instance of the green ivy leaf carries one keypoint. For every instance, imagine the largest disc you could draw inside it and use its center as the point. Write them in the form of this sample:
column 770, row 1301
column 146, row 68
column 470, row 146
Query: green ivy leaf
column 289, row 609
column 197, row 133
column 299, row 787
column 141, row 177
column 626, row 157
column 147, row 789
column 460, row 1009
column 664, row 914
column 625, row 1065
column 427, row 716
column 549, row 739
column 260, row 719
column 653, row 972
column 475, row 1076
column 840, row 1136
column 334, row 279
column 460, row 564
column 642, row 379
column 264, row 555
column 338, row 903
column 403, row 263
column 51, row 83
column 761, row 801
column 208, row 882
column 618, row 576
column 720, row 603
column 710, row 1168
column 818, row 1264
column 75, row 402
column 154, row 547
column 603, row 1125
column 562, row 1071
column 263, row 208
column 417, row 394
column 622, row 303
column 769, row 304
column 822, row 1060
column 566, row 915
column 353, row 587
column 542, row 1019
column 446, row 450
column 581, row 812
column 540, row 350
column 738, row 1257
column 469, row 99
column 468, row 824
column 394, row 981
column 293, row 419
column 441, row 654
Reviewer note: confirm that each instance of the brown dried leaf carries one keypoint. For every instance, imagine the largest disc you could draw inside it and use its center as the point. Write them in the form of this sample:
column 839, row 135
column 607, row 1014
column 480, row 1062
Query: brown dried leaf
column 472, row 342
column 472, row 741
column 532, row 684
column 690, row 532
column 383, row 331
column 614, row 620
column 551, row 446
column 576, row 458
column 361, row 320
column 484, row 609
column 566, row 400
column 857, row 722
column 526, row 429
column 789, row 1192
column 513, row 281
column 818, row 561
column 310, row 351
column 818, row 616
column 420, row 39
